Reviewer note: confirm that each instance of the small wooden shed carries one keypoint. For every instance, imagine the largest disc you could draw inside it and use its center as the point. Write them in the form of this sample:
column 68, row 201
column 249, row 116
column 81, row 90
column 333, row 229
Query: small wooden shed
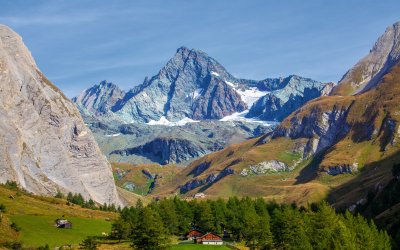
column 63, row 223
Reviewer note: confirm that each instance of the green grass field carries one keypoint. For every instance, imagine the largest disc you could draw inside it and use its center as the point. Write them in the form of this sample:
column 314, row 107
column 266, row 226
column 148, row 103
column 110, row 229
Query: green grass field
column 196, row 247
column 40, row 230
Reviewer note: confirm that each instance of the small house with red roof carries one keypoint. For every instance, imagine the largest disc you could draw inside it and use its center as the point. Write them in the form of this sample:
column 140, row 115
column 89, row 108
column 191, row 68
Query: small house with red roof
column 209, row 239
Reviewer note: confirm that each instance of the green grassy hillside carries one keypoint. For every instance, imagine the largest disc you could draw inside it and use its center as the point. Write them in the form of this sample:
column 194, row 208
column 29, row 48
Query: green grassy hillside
column 35, row 215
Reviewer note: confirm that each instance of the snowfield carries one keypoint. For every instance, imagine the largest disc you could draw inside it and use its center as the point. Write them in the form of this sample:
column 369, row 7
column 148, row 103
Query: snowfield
column 164, row 122
column 242, row 117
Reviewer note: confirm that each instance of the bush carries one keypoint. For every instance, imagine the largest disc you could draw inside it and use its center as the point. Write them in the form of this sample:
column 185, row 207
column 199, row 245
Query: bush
column 45, row 247
column 11, row 185
column 15, row 227
column 88, row 244
column 59, row 195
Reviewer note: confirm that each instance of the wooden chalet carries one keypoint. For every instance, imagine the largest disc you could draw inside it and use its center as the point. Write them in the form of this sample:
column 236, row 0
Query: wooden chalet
column 209, row 239
column 194, row 234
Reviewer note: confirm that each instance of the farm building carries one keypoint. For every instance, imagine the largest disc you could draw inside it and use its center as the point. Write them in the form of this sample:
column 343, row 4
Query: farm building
column 62, row 223
column 199, row 196
column 194, row 234
column 209, row 239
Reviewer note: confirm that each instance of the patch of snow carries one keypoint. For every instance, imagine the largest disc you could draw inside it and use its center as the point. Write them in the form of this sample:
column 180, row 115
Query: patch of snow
column 164, row 122
column 242, row 118
column 230, row 84
column 214, row 73
column 250, row 96
column 195, row 93
column 113, row 135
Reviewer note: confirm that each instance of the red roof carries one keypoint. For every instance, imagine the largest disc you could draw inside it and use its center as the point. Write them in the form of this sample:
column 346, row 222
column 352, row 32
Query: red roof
column 210, row 237
column 195, row 233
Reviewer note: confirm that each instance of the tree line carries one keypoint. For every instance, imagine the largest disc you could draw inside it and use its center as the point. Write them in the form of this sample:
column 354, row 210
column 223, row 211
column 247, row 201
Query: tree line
column 257, row 223
column 78, row 199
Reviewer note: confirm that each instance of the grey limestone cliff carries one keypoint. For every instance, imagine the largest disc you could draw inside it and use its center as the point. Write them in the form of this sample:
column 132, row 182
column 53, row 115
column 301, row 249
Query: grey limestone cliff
column 44, row 145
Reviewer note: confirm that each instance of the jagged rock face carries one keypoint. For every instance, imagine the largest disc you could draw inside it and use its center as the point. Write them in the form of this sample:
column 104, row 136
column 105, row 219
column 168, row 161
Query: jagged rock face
column 342, row 169
column 44, row 145
column 217, row 101
column 292, row 93
column 186, row 87
column 323, row 128
column 369, row 70
column 192, row 184
column 100, row 98
column 166, row 150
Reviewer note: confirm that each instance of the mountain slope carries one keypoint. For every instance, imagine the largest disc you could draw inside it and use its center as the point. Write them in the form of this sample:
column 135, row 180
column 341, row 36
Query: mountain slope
column 327, row 142
column 342, row 145
column 44, row 145
column 370, row 69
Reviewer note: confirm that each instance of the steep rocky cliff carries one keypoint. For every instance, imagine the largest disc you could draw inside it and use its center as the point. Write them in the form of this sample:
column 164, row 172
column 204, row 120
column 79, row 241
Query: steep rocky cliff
column 44, row 145
column 370, row 69
column 166, row 150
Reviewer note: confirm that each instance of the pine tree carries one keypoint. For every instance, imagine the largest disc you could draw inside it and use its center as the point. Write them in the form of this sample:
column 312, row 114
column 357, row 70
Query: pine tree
column 149, row 232
column 289, row 229
column 168, row 215
column 120, row 229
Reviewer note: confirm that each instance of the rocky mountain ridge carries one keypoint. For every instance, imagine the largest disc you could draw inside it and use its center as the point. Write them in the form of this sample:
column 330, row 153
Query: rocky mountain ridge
column 367, row 73
column 192, row 85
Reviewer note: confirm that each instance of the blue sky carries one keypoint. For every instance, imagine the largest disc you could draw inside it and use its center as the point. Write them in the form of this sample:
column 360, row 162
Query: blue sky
column 79, row 43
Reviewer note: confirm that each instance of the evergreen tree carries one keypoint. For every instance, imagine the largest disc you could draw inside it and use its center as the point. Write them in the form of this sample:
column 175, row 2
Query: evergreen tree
column 120, row 230
column 168, row 215
column 289, row 229
column 149, row 232
column 203, row 217
column 185, row 215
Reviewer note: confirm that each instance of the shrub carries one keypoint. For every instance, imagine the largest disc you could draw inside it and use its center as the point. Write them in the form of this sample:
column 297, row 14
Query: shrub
column 15, row 227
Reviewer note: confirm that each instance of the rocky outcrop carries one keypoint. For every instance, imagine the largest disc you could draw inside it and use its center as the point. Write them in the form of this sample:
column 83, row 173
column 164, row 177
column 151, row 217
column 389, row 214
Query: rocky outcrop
column 293, row 93
column 195, row 183
column 370, row 69
column 268, row 166
column 323, row 128
column 166, row 150
column 342, row 169
column 44, row 145
column 100, row 98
